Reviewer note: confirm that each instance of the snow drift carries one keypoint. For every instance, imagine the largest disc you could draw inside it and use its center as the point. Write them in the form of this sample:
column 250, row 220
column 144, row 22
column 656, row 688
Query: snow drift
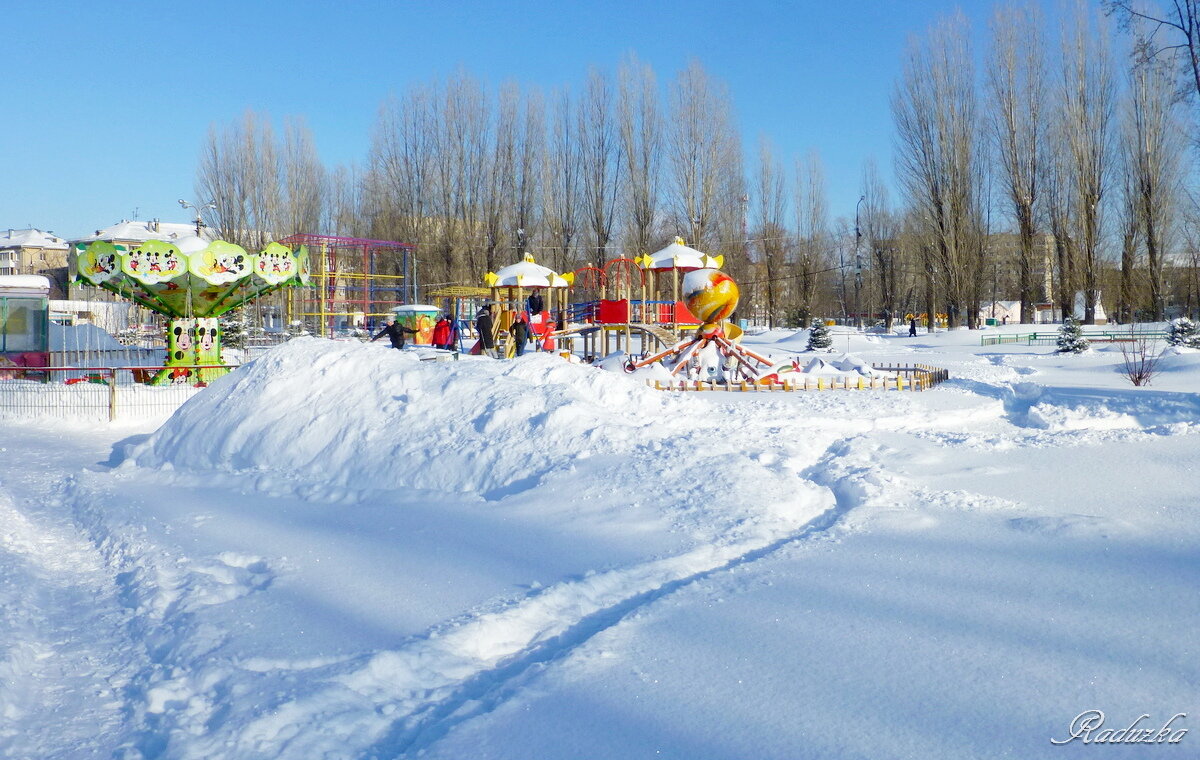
column 366, row 417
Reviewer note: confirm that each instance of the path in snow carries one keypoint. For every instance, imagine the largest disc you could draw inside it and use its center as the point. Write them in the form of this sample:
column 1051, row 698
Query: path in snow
column 65, row 653
column 401, row 700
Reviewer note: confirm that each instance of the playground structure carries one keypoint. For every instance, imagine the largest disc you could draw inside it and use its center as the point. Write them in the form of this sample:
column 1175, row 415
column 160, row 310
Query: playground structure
column 546, row 299
column 357, row 281
column 624, row 300
column 191, row 283
column 641, row 296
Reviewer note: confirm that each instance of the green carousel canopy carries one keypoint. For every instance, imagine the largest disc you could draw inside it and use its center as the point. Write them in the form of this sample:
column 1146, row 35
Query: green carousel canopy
column 189, row 277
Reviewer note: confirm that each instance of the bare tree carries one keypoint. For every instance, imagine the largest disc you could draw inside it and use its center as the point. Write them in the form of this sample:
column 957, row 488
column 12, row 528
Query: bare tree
column 770, row 206
column 1191, row 235
column 881, row 231
column 462, row 113
column 702, row 153
column 530, row 157
column 641, row 132
column 240, row 173
column 400, row 189
column 1059, row 197
column 1154, row 149
column 1140, row 357
column 934, row 111
column 1087, row 97
column 304, row 180
column 345, row 202
column 497, row 187
column 601, row 165
column 813, row 240
column 1131, row 234
column 562, row 190
column 1017, row 85
column 1180, row 18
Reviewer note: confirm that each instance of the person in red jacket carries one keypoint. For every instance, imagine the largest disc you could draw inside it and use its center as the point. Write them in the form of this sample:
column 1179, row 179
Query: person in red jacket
column 442, row 334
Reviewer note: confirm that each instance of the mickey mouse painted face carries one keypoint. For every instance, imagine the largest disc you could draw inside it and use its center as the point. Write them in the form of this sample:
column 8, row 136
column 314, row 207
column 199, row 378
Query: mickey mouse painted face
column 183, row 338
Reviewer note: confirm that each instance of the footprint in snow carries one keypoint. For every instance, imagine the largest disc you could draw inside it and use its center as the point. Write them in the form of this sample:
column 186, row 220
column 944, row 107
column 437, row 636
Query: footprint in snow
column 1072, row 526
column 228, row 576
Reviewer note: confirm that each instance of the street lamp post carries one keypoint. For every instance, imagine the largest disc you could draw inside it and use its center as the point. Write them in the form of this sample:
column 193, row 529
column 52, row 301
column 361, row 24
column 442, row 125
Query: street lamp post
column 198, row 209
column 858, row 265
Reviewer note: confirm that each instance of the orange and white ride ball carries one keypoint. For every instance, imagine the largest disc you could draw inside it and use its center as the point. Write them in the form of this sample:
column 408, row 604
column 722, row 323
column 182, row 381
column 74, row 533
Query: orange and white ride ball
column 710, row 295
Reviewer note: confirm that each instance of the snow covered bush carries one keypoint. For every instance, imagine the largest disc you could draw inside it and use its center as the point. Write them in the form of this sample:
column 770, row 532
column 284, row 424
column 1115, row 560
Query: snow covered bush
column 1183, row 332
column 1070, row 338
column 819, row 338
column 797, row 318
column 234, row 332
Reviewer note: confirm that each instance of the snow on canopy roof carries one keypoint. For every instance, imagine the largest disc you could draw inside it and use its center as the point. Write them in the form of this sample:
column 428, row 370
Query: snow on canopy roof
column 143, row 231
column 414, row 307
column 32, row 238
column 10, row 282
column 527, row 274
column 679, row 256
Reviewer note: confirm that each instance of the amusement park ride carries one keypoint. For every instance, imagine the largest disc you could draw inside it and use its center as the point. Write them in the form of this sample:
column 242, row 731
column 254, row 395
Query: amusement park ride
column 711, row 296
column 190, row 282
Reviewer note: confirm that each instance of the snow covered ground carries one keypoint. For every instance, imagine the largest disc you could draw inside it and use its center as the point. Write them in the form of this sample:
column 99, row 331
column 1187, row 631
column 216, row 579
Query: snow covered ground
column 339, row 551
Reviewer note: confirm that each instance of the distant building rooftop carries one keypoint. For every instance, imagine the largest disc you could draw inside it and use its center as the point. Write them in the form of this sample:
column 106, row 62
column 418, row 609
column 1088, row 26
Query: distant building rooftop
column 31, row 238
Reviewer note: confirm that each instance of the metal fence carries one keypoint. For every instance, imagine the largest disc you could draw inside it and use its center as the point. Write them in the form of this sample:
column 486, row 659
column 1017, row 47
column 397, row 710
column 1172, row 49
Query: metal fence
column 93, row 394
column 1051, row 338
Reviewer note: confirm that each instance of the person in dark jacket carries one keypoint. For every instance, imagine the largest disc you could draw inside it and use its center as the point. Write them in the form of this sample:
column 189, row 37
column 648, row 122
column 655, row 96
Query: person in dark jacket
column 483, row 322
column 395, row 332
column 520, row 333
column 912, row 328
column 535, row 303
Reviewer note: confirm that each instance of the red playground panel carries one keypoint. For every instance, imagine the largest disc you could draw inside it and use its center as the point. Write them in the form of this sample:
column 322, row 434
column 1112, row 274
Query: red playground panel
column 682, row 315
column 618, row 312
column 540, row 323
column 613, row 312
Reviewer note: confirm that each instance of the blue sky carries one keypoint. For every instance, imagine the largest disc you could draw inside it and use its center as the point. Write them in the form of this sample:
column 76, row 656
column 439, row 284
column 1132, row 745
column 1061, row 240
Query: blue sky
column 107, row 104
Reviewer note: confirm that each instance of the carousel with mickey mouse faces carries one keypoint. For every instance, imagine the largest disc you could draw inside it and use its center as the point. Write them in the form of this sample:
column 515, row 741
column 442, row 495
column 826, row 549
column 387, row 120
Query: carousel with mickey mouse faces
column 191, row 282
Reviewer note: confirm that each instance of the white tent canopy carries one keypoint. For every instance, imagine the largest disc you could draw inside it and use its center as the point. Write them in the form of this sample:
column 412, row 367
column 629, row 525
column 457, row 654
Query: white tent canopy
column 526, row 274
column 679, row 256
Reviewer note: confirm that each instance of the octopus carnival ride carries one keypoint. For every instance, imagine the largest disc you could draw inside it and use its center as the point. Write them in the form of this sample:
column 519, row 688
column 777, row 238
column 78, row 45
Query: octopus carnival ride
column 709, row 353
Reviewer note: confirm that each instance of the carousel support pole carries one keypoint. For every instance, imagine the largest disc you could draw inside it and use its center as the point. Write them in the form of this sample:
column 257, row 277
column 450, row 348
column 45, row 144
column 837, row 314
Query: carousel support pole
column 628, row 318
column 321, row 292
column 495, row 316
column 642, row 276
column 674, row 296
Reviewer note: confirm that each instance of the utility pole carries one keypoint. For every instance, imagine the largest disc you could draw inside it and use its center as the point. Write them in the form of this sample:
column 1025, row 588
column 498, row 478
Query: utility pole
column 858, row 265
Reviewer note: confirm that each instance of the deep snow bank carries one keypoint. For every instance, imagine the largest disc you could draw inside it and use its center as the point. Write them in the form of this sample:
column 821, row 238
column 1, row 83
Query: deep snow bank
column 365, row 417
